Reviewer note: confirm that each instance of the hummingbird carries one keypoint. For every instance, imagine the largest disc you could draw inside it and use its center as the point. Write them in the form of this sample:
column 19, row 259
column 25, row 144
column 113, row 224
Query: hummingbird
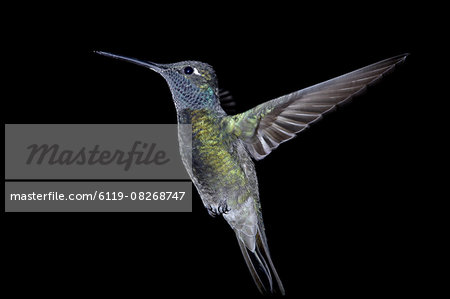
column 222, row 147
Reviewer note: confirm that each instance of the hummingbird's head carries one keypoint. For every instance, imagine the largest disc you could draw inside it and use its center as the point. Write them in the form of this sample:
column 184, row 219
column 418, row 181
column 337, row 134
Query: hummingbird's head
column 193, row 84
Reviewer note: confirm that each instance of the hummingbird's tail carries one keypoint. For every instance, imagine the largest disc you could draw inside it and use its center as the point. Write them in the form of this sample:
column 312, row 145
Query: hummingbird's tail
column 260, row 264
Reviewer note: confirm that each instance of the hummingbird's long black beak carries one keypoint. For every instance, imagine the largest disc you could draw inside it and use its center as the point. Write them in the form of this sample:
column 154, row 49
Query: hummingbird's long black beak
column 151, row 65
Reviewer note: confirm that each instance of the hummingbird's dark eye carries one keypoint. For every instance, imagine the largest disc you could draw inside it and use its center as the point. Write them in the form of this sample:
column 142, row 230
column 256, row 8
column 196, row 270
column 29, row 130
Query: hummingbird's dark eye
column 188, row 70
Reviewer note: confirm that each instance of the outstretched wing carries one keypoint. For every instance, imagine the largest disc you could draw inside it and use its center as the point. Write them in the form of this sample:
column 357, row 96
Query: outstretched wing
column 267, row 125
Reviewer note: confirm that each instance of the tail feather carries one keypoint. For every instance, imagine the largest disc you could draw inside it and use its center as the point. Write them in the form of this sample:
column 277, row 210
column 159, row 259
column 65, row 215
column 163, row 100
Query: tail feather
column 261, row 266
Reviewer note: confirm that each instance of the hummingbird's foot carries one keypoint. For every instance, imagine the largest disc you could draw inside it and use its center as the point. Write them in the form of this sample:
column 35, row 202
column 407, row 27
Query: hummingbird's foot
column 211, row 211
column 218, row 210
column 224, row 209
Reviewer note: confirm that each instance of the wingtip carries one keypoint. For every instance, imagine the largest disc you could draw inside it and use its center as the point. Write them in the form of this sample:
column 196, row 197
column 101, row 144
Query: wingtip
column 398, row 59
column 402, row 57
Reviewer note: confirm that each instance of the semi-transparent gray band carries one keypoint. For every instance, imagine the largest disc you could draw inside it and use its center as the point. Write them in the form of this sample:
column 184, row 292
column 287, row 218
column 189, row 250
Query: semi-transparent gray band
column 95, row 168
column 93, row 151
column 98, row 196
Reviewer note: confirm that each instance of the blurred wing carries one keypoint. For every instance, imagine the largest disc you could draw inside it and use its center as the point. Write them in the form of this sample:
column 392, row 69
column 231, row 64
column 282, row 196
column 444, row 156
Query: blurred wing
column 227, row 101
column 267, row 125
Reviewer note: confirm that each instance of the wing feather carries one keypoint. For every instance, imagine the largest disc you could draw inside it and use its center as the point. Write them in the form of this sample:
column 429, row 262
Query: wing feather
column 267, row 125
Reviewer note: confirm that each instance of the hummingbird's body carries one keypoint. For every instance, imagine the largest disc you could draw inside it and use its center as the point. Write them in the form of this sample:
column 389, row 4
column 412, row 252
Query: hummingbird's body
column 218, row 151
column 225, row 177
column 221, row 169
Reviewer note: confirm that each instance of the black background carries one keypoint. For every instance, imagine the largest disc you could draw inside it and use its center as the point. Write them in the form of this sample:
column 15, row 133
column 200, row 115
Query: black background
column 337, row 200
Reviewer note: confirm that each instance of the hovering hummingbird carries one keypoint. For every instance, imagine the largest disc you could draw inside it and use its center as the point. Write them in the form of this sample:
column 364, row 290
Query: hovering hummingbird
column 222, row 146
